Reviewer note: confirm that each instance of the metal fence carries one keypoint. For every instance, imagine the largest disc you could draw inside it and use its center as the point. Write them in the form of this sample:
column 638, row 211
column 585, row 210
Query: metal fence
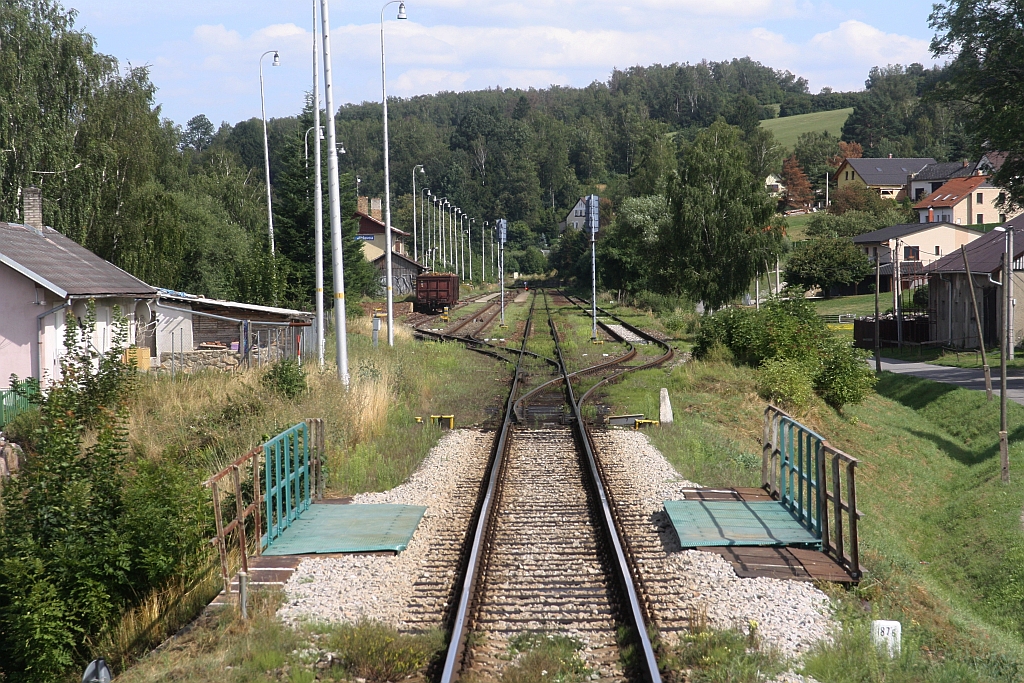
column 12, row 404
column 262, row 470
column 266, row 343
column 809, row 476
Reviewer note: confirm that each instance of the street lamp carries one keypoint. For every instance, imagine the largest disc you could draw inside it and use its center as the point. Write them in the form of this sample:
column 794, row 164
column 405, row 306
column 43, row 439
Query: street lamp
column 387, row 176
column 266, row 146
column 455, row 241
column 305, row 142
column 471, row 221
column 424, row 231
column 334, row 195
column 415, row 250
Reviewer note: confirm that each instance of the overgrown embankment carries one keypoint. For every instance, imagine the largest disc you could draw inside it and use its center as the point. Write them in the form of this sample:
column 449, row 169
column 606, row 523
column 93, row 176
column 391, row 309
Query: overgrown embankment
column 104, row 542
column 941, row 536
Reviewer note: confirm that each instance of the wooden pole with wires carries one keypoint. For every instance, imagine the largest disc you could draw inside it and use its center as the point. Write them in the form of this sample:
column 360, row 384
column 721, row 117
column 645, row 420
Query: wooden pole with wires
column 977, row 323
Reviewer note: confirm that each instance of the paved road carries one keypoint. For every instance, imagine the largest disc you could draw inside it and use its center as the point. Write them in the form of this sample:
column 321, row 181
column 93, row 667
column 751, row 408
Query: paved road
column 968, row 378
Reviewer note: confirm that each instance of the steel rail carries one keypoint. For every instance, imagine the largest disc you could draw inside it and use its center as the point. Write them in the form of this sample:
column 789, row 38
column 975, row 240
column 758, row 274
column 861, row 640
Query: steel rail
column 458, row 632
column 636, row 612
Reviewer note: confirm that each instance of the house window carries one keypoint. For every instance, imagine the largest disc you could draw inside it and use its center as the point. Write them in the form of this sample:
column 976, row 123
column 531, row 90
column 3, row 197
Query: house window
column 938, row 251
column 981, row 218
column 911, row 253
column 981, row 198
column 1002, row 218
column 876, row 251
column 918, row 193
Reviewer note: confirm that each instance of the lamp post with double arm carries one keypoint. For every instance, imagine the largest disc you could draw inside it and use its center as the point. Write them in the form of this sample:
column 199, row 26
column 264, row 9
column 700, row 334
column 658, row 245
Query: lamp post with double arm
column 387, row 178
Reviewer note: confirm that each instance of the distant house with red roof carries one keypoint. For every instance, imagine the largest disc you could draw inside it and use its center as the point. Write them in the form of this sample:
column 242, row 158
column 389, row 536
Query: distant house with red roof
column 963, row 201
column 372, row 230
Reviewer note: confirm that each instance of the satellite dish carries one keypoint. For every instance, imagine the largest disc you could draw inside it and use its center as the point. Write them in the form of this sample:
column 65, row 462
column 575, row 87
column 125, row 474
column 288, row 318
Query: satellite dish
column 97, row 672
column 143, row 312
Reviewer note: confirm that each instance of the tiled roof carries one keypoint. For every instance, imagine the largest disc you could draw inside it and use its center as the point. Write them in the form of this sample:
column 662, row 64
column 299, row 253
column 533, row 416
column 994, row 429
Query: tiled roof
column 887, row 171
column 368, row 225
column 952, row 192
column 63, row 266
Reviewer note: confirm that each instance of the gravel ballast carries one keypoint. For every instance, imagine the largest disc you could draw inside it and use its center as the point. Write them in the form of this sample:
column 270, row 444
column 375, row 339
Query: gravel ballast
column 790, row 615
column 407, row 590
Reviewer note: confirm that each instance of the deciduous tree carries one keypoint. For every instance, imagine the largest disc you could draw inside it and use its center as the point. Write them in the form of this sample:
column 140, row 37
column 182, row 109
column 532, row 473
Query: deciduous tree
column 799, row 192
column 721, row 227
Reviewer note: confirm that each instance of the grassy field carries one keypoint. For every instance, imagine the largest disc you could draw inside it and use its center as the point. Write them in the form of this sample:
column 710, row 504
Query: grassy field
column 862, row 304
column 941, row 537
column 789, row 128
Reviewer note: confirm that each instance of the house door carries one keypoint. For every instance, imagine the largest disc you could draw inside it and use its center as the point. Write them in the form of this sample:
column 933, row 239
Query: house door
column 989, row 326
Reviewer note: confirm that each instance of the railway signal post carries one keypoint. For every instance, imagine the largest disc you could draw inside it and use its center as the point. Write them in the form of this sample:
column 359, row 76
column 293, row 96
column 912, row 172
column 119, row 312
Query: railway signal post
column 593, row 221
column 502, row 226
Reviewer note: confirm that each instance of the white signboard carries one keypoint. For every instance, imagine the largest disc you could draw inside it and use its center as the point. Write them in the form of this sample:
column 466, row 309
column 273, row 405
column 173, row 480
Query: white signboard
column 502, row 230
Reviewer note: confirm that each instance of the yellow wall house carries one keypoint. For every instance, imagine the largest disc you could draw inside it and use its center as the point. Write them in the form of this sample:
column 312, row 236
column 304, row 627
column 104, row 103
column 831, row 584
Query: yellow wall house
column 887, row 177
column 964, row 201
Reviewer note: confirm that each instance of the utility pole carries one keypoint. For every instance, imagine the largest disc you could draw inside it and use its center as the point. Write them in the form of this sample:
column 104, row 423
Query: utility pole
column 334, row 199
column 977, row 322
column 878, row 324
column 415, row 245
column 318, row 217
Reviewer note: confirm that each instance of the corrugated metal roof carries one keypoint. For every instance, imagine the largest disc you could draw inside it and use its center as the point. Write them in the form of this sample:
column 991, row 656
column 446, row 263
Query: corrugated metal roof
column 169, row 295
column 904, row 229
column 984, row 253
column 887, row 171
column 63, row 266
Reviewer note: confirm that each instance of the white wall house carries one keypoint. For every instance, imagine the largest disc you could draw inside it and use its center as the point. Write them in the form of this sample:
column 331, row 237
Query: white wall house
column 46, row 281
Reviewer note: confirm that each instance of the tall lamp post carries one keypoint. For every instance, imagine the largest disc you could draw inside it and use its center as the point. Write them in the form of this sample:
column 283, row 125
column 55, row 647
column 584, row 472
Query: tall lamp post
column 471, row 222
column 415, row 249
column 334, row 199
column 318, row 211
column 387, row 177
column 424, row 232
column 502, row 226
column 483, row 251
column 266, row 146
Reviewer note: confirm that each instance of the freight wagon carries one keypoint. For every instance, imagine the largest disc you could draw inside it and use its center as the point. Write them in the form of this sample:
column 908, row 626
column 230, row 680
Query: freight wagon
column 435, row 291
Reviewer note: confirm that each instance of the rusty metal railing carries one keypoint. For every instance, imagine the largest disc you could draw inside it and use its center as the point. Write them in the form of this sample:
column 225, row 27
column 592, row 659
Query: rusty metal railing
column 816, row 482
column 244, row 485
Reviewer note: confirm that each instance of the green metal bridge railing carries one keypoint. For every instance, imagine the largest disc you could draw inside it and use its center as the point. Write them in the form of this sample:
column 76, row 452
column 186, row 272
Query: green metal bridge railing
column 816, row 482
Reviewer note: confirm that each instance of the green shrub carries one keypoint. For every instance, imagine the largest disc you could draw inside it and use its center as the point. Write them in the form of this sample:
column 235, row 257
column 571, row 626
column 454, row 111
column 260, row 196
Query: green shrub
column 86, row 533
column 539, row 657
column 785, row 381
column 781, row 337
column 921, row 297
column 843, row 377
column 285, row 377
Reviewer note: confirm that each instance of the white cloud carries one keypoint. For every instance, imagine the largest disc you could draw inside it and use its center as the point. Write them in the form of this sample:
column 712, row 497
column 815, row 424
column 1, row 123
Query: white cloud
column 535, row 43
column 864, row 43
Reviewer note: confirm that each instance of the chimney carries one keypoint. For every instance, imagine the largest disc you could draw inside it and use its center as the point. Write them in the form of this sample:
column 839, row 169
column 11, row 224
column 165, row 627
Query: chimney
column 363, row 205
column 375, row 210
column 33, row 208
column 965, row 163
column 931, row 215
column 890, row 155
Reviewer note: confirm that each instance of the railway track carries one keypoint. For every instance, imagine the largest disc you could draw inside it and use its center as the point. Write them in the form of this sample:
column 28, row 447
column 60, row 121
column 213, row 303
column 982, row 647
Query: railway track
column 546, row 553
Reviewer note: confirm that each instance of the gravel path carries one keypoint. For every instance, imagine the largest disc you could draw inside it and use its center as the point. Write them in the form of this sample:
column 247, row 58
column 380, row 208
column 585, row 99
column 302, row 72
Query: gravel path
column 626, row 334
column 408, row 590
column 790, row 615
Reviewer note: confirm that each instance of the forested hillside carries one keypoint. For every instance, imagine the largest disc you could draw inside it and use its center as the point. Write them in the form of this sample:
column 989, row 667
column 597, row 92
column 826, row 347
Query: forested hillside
column 182, row 206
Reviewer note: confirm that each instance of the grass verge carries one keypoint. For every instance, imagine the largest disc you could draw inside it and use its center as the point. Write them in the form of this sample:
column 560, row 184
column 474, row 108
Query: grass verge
column 222, row 648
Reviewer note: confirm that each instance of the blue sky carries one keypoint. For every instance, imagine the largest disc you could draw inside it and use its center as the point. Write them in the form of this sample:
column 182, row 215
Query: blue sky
column 204, row 55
